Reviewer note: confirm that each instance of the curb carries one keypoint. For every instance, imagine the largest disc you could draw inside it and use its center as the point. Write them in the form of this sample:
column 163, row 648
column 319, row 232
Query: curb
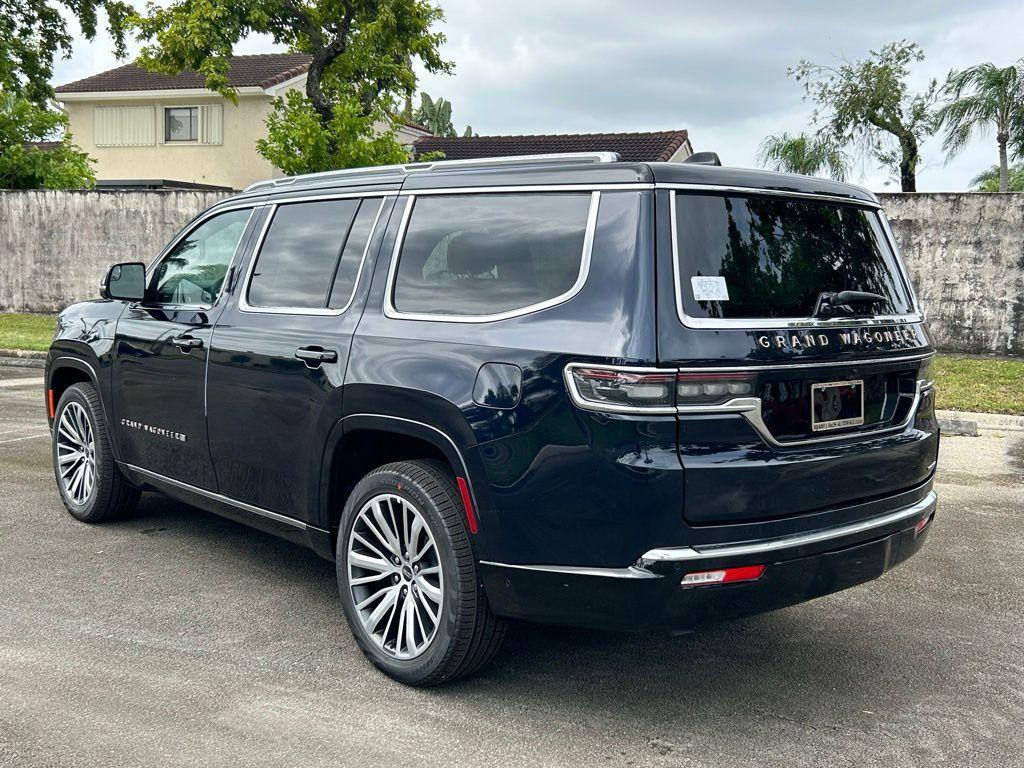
column 995, row 421
column 21, row 358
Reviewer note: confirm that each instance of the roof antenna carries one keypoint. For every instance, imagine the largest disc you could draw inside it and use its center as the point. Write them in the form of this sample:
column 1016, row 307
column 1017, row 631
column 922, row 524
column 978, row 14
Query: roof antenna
column 703, row 158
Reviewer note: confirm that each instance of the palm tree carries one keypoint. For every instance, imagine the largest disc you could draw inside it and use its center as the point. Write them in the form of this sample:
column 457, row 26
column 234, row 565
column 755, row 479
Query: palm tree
column 989, row 180
column 980, row 98
column 809, row 155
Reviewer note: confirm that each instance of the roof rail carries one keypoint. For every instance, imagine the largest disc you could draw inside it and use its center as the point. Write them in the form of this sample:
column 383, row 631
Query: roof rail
column 441, row 165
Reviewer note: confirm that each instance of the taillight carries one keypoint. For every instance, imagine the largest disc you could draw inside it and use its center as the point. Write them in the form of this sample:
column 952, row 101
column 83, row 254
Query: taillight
column 709, row 388
column 649, row 390
column 623, row 389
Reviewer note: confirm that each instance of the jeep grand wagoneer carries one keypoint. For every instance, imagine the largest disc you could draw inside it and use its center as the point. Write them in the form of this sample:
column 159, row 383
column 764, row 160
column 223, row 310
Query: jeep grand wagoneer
column 558, row 388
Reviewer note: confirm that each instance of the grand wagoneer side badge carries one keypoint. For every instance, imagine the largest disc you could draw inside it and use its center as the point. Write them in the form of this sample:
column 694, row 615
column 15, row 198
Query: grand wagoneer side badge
column 864, row 338
column 159, row 431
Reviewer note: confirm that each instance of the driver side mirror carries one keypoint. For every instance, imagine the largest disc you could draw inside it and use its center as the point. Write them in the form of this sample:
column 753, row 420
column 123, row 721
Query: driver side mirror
column 125, row 281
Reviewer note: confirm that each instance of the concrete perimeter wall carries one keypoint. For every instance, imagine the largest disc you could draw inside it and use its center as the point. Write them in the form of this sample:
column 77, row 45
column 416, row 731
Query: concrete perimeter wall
column 965, row 252
column 56, row 245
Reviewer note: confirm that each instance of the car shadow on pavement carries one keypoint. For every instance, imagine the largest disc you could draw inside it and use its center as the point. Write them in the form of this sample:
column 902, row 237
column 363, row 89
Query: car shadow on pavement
column 830, row 653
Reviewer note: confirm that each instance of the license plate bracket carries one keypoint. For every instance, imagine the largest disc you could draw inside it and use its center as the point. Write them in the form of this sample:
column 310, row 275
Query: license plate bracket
column 837, row 405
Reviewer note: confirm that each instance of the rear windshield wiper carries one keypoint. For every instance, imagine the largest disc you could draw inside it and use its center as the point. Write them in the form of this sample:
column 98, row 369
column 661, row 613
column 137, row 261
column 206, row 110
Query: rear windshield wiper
column 843, row 303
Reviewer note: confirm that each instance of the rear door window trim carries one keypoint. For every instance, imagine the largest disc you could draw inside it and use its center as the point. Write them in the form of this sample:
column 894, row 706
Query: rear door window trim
column 243, row 300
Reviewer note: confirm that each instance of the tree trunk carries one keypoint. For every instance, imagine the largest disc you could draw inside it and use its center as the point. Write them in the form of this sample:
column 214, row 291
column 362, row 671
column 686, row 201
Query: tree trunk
column 1004, row 169
column 908, row 163
column 322, row 105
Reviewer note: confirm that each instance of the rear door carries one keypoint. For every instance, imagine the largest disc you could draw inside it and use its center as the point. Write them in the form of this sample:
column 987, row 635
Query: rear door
column 280, row 350
column 788, row 406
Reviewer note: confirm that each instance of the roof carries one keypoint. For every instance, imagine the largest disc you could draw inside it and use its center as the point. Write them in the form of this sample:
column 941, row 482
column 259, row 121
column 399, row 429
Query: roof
column 262, row 70
column 650, row 146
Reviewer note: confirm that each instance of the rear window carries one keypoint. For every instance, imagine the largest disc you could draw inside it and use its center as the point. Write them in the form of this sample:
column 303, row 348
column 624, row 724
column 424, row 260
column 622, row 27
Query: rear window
column 771, row 257
column 478, row 255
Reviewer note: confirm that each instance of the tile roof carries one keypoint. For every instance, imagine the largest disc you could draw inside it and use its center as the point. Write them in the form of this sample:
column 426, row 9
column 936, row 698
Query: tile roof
column 632, row 147
column 263, row 70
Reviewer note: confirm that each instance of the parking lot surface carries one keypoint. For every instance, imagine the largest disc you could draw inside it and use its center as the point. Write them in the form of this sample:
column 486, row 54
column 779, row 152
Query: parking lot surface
column 179, row 638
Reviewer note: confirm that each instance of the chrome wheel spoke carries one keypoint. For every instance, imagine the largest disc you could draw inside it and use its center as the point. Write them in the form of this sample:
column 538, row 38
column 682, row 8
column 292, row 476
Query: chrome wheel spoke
column 76, row 453
column 390, row 552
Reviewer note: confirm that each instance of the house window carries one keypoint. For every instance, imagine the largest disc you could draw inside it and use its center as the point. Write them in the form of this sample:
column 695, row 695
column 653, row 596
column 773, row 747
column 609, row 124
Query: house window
column 181, row 124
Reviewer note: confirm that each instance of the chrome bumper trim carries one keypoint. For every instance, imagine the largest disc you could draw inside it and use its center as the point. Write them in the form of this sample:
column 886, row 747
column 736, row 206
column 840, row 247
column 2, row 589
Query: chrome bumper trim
column 633, row 572
column 686, row 554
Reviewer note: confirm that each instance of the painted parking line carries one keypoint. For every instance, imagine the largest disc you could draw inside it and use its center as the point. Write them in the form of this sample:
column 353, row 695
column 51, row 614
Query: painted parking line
column 27, row 437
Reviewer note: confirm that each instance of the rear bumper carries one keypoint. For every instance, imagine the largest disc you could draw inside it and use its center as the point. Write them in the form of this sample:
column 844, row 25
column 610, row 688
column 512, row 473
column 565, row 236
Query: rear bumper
column 648, row 595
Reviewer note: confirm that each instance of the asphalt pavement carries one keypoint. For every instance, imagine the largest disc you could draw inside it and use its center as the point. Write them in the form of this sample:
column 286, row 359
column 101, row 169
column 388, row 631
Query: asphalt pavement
column 178, row 638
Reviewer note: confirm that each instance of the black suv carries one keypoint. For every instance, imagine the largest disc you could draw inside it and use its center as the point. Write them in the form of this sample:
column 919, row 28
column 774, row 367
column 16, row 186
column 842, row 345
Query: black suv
column 558, row 388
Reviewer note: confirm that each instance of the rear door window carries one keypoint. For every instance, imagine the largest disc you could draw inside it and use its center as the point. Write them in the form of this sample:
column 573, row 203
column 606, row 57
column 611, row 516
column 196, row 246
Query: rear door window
column 773, row 256
column 299, row 258
column 487, row 254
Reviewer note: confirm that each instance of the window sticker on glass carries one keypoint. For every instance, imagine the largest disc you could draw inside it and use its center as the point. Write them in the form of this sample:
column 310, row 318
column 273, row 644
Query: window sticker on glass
column 709, row 288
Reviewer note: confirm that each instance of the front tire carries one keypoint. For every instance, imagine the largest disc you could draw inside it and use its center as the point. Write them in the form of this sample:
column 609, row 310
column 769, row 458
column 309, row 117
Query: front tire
column 407, row 576
column 90, row 484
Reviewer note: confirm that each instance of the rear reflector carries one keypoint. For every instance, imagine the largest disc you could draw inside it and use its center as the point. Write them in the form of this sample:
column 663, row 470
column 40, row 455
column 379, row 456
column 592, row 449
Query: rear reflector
column 467, row 502
column 723, row 576
column 922, row 524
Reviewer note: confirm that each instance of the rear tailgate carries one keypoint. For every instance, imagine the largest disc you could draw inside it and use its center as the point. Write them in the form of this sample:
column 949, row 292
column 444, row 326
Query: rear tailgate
column 782, row 413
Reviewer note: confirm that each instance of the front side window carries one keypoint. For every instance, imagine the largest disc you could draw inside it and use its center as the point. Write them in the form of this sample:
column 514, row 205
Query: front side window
column 181, row 124
column 304, row 253
column 772, row 256
column 193, row 273
column 478, row 255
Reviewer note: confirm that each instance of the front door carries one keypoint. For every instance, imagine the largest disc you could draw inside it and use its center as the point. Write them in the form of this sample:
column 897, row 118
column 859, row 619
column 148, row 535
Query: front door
column 277, row 364
column 160, row 352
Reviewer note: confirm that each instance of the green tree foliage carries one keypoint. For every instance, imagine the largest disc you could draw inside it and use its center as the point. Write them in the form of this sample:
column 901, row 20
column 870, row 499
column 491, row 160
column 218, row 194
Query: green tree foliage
column 800, row 153
column 362, row 54
column 991, row 180
column 26, row 166
column 436, row 116
column 982, row 98
column 34, row 32
column 869, row 103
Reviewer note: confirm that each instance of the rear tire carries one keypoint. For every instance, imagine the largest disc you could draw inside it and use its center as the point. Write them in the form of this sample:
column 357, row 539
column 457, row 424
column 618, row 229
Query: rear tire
column 90, row 484
column 422, row 508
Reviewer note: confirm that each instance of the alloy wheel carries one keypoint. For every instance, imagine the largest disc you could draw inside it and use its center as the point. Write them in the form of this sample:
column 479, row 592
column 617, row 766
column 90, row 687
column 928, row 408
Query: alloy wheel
column 76, row 453
column 395, row 577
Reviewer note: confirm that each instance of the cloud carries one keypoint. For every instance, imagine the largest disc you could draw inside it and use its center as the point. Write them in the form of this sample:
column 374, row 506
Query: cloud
column 719, row 70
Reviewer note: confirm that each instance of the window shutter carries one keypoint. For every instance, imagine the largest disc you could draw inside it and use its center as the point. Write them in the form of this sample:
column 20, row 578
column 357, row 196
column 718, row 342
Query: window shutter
column 211, row 124
column 124, row 127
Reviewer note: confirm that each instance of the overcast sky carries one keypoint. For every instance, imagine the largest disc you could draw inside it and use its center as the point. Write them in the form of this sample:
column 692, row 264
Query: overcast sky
column 716, row 69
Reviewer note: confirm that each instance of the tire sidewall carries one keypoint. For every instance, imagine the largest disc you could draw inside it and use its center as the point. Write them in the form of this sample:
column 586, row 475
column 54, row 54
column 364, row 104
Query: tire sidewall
column 75, row 395
column 442, row 646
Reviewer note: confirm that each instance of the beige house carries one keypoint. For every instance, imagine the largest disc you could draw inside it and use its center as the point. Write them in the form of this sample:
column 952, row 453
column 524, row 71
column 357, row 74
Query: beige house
column 141, row 125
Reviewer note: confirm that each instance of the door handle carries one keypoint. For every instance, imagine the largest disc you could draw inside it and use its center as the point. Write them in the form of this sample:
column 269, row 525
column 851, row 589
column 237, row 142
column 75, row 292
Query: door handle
column 186, row 344
column 314, row 357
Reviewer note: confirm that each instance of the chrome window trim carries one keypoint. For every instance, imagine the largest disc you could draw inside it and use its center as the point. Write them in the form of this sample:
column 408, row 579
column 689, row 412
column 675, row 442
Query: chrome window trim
column 688, row 554
column 740, row 190
column 580, row 402
column 756, row 324
column 513, row 188
column 243, row 296
column 252, row 508
column 392, row 312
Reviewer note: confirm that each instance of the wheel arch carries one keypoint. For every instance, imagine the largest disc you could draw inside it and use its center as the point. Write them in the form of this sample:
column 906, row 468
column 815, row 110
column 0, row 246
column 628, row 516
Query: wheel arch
column 63, row 372
column 362, row 442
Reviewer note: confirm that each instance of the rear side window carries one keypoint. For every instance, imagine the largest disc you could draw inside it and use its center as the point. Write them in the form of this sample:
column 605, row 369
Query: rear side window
column 771, row 257
column 311, row 254
column 479, row 255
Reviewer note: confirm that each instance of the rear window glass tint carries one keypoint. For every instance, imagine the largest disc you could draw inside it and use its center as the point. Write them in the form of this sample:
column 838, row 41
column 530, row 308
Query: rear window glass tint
column 352, row 254
column 774, row 256
column 486, row 254
column 296, row 264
